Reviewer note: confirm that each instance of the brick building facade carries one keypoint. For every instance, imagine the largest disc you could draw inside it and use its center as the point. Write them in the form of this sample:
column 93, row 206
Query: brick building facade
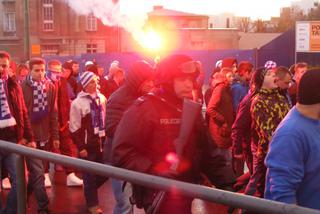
column 56, row 29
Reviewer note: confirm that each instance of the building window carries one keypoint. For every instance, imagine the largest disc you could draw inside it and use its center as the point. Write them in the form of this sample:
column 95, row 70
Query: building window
column 92, row 48
column 48, row 15
column 9, row 22
column 91, row 23
column 49, row 50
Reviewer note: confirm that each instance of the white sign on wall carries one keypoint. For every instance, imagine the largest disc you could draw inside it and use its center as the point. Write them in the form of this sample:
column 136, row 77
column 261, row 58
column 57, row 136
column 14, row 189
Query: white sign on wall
column 308, row 36
column 302, row 37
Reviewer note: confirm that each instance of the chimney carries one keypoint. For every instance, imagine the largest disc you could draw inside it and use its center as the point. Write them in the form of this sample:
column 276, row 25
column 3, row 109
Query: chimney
column 157, row 7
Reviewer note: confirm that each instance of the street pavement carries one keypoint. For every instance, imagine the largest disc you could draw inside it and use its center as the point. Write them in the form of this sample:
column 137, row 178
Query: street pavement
column 70, row 200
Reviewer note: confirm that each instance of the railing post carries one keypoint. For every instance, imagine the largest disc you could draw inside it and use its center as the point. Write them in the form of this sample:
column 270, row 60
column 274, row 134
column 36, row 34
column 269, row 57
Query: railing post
column 21, row 186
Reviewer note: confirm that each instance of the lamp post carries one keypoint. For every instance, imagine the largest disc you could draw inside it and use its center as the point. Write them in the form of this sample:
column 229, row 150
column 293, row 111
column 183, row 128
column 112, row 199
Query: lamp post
column 26, row 31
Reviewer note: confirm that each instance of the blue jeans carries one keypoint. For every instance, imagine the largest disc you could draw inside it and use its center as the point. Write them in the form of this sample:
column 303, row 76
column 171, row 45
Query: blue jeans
column 123, row 205
column 8, row 160
column 36, row 183
column 92, row 182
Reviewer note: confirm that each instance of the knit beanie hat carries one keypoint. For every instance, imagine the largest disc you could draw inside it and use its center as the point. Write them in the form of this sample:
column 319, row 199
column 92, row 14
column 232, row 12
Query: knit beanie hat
column 309, row 88
column 270, row 65
column 86, row 77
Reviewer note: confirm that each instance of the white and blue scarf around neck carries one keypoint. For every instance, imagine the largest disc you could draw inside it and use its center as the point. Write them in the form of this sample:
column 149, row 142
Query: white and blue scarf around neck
column 97, row 116
column 40, row 99
column 6, row 118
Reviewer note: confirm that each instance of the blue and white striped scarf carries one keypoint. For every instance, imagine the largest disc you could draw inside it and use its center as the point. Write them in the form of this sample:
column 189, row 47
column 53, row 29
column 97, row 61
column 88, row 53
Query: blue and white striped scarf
column 40, row 100
column 97, row 116
column 6, row 118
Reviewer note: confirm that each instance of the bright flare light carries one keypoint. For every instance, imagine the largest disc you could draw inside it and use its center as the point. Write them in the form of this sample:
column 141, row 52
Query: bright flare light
column 151, row 40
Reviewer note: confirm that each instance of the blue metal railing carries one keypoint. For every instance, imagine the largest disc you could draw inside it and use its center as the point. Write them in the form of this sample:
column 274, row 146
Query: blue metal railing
column 192, row 190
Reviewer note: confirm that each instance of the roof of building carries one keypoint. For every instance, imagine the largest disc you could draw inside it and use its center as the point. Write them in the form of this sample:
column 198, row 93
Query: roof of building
column 160, row 11
column 255, row 40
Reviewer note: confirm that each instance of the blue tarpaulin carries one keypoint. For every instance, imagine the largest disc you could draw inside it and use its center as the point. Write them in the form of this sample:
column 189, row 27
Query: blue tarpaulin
column 207, row 58
column 281, row 50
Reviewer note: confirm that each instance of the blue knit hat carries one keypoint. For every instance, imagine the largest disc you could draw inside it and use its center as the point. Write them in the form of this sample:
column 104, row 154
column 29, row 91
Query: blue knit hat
column 86, row 77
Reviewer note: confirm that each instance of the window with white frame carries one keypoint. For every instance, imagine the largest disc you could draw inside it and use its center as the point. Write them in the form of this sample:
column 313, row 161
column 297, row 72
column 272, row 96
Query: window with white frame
column 91, row 23
column 9, row 22
column 92, row 48
column 48, row 15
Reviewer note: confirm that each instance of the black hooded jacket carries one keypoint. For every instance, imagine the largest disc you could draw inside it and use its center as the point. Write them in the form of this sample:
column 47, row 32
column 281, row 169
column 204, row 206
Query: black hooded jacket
column 124, row 97
column 146, row 135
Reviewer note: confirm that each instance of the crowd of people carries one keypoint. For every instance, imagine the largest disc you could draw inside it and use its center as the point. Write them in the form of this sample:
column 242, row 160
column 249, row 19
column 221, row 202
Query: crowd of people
column 258, row 135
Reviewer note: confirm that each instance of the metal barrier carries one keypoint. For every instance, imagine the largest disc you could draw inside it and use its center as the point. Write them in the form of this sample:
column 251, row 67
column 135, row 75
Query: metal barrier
column 192, row 190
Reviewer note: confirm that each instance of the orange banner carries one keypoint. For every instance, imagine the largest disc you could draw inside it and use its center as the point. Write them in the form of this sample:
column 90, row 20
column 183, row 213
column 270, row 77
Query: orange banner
column 314, row 36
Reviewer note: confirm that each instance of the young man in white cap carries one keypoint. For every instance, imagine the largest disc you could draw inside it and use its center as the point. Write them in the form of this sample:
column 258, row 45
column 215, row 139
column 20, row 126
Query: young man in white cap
column 87, row 127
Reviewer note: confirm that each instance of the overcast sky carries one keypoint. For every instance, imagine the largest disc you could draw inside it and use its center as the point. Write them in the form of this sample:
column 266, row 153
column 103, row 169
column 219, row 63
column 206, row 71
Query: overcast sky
column 253, row 8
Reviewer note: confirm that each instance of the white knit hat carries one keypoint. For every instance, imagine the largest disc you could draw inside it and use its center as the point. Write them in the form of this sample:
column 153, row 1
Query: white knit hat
column 270, row 65
column 88, row 63
column 86, row 77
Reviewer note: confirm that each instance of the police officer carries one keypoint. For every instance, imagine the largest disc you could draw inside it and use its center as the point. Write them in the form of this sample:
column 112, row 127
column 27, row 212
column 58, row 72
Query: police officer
column 144, row 139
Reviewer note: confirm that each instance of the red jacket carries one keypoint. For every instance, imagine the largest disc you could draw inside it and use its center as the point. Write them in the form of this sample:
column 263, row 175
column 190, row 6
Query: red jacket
column 221, row 116
column 19, row 111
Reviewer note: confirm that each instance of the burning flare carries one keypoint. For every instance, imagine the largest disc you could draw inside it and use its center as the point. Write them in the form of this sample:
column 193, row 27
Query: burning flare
column 150, row 39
